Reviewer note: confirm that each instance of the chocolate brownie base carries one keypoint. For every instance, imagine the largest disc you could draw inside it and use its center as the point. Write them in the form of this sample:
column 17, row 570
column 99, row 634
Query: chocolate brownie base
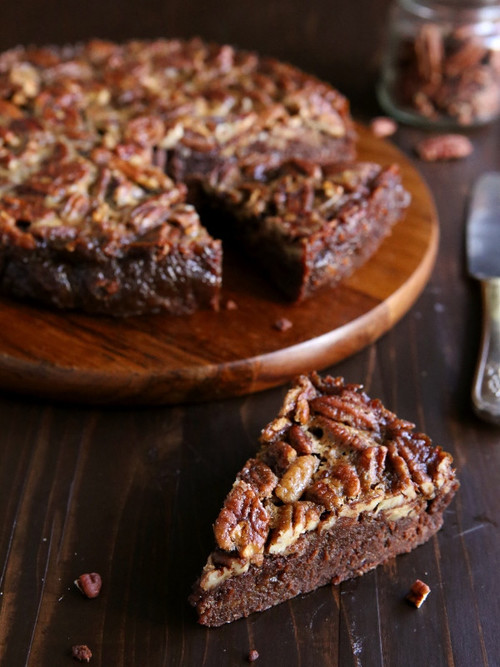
column 348, row 550
column 138, row 283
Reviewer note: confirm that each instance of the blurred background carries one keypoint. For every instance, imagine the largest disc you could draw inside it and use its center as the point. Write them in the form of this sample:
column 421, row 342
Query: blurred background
column 311, row 35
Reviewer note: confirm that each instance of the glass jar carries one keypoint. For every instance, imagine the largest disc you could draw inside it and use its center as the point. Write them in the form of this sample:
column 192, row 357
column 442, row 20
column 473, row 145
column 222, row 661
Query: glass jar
column 442, row 63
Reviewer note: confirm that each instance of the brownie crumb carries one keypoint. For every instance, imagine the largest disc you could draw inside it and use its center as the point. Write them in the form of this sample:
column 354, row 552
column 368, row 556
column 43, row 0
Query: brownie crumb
column 382, row 126
column 253, row 655
column 418, row 593
column 81, row 652
column 231, row 305
column 89, row 584
column 283, row 324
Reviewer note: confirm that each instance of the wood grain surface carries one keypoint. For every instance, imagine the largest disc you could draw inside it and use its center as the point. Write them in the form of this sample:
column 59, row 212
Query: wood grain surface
column 165, row 359
column 131, row 492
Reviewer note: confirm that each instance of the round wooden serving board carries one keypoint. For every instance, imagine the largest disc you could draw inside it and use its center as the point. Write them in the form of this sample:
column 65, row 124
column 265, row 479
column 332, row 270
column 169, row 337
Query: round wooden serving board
column 163, row 359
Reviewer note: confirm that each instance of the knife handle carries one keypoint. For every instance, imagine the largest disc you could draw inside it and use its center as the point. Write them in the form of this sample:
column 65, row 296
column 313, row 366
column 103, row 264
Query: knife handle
column 486, row 388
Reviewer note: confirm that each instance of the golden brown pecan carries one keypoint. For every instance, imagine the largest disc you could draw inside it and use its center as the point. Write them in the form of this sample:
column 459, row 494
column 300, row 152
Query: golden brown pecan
column 342, row 410
column 259, row 476
column 243, row 522
column 326, row 492
column 295, row 480
column 300, row 440
column 278, row 456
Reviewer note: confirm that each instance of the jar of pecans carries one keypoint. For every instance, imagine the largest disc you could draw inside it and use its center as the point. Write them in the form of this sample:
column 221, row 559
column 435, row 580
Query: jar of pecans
column 442, row 63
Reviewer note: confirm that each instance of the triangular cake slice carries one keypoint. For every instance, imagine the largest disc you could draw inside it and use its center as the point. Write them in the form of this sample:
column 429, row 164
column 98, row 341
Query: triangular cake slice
column 339, row 485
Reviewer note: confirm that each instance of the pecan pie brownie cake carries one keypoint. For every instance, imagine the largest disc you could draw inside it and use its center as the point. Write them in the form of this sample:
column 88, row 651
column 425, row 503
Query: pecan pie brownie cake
column 104, row 147
column 339, row 485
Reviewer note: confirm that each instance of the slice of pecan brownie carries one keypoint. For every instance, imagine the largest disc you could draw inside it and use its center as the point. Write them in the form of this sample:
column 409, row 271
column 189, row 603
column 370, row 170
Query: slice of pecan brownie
column 308, row 225
column 340, row 485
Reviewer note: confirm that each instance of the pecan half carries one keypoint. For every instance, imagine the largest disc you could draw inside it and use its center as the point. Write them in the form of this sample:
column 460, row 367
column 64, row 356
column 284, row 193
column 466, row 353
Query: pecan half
column 291, row 522
column 243, row 523
column 295, row 480
column 444, row 147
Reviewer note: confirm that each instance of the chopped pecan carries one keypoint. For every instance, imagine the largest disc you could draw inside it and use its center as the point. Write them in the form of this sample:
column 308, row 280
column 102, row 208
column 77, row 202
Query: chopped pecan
column 81, row 652
column 275, row 429
column 418, row 593
column 283, row 324
column 278, row 456
column 89, row 584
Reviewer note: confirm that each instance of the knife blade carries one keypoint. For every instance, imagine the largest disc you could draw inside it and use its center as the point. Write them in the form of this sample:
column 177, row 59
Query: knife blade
column 483, row 260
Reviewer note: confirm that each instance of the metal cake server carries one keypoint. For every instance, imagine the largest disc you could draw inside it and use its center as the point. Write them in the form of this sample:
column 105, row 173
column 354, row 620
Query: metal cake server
column 483, row 258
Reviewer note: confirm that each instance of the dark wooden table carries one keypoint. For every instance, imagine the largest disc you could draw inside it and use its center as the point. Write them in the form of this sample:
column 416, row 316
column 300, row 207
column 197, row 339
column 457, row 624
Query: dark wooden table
column 131, row 493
